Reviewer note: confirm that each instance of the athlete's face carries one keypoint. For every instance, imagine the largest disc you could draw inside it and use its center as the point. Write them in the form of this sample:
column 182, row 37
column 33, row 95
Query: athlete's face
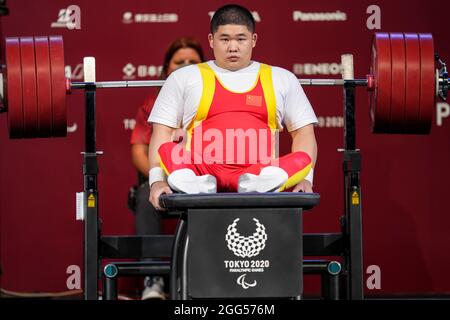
column 232, row 45
column 182, row 57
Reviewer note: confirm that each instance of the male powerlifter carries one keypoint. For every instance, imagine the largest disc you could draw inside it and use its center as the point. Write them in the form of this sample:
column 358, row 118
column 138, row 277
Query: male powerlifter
column 231, row 109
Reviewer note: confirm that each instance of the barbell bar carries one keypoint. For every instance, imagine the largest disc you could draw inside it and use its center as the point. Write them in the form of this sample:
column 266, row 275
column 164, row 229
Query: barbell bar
column 160, row 83
column 402, row 83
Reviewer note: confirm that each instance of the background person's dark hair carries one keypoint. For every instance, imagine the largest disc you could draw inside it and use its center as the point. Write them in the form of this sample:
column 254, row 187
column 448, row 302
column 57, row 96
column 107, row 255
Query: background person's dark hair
column 184, row 42
column 232, row 14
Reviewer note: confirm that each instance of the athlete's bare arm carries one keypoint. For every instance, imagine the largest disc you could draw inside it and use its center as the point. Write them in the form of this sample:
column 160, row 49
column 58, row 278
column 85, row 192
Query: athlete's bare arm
column 161, row 134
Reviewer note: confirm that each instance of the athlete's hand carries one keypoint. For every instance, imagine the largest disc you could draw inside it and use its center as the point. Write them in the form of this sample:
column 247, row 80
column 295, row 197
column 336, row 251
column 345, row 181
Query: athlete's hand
column 157, row 189
column 303, row 186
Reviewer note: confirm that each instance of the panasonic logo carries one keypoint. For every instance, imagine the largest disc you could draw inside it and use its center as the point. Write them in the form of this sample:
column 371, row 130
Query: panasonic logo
column 319, row 16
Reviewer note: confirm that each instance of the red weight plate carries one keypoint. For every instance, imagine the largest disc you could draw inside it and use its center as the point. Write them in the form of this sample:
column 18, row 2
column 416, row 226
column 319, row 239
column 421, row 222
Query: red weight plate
column 58, row 86
column 398, row 83
column 13, row 92
column 427, row 83
column 29, row 93
column 380, row 98
column 44, row 86
column 412, row 102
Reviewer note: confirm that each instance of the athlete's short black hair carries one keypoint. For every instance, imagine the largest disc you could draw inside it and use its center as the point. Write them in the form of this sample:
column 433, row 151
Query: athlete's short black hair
column 232, row 14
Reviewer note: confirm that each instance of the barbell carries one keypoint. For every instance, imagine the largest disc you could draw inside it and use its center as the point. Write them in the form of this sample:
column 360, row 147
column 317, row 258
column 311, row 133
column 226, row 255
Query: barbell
column 403, row 84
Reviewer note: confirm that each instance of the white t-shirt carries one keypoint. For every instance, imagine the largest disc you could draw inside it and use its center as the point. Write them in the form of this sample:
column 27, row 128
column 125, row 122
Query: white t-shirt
column 179, row 98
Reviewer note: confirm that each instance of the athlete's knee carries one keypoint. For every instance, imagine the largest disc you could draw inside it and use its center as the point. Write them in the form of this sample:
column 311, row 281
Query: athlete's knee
column 301, row 159
column 166, row 147
column 174, row 153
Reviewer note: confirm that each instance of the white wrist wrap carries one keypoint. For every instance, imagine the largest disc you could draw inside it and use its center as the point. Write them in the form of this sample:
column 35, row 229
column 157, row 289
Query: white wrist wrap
column 310, row 176
column 156, row 174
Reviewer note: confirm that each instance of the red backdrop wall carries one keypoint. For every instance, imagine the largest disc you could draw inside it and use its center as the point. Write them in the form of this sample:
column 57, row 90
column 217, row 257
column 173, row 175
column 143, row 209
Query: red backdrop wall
column 406, row 219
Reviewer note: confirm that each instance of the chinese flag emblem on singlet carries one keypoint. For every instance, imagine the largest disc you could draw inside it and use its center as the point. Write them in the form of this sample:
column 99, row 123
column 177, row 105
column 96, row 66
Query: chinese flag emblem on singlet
column 252, row 100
